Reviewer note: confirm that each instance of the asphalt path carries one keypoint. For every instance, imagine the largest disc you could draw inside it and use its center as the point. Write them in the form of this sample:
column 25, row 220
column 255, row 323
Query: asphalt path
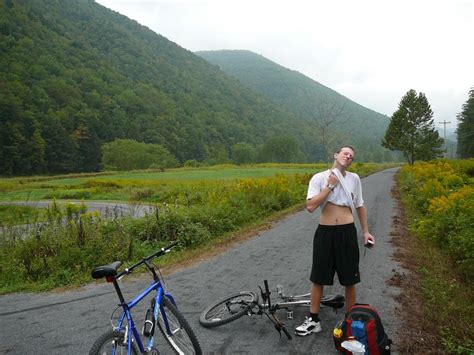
column 69, row 321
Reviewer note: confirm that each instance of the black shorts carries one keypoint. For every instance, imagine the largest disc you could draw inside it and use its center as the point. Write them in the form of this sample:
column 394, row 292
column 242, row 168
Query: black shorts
column 335, row 248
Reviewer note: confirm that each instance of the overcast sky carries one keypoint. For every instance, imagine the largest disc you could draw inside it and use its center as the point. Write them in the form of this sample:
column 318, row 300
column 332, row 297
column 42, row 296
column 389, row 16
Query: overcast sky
column 371, row 51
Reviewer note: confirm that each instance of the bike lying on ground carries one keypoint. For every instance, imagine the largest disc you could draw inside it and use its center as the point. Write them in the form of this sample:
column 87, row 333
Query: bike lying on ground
column 125, row 338
column 236, row 305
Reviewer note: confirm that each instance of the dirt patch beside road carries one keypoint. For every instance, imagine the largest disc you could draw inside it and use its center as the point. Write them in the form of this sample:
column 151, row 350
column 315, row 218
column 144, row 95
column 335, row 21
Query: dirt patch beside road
column 417, row 335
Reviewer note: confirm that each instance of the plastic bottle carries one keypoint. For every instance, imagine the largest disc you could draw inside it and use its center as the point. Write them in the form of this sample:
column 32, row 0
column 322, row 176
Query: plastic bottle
column 338, row 336
column 354, row 346
column 149, row 323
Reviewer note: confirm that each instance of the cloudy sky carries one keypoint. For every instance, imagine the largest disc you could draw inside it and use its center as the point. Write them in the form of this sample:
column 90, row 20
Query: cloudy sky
column 372, row 51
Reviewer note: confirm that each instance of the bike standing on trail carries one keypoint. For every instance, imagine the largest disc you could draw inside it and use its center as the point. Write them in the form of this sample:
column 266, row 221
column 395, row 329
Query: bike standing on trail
column 335, row 248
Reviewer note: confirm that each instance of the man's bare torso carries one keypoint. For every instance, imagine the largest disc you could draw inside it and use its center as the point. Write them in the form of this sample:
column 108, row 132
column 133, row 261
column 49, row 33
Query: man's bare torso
column 333, row 215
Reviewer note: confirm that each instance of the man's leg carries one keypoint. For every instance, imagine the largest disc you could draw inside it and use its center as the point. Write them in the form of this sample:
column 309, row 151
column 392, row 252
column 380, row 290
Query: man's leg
column 311, row 324
column 316, row 295
column 350, row 295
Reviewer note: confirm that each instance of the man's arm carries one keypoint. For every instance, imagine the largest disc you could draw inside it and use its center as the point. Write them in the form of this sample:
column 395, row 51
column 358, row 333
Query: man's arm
column 362, row 214
column 314, row 202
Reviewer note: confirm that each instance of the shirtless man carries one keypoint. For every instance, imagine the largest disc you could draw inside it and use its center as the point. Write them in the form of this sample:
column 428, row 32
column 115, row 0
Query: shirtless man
column 335, row 246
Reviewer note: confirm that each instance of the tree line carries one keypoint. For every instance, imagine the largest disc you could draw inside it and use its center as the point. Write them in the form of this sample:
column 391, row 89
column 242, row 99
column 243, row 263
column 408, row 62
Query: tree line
column 127, row 154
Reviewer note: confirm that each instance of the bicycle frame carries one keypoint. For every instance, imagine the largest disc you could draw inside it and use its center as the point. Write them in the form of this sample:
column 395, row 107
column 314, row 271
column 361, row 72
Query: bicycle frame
column 163, row 313
column 125, row 322
column 248, row 303
column 286, row 302
column 130, row 324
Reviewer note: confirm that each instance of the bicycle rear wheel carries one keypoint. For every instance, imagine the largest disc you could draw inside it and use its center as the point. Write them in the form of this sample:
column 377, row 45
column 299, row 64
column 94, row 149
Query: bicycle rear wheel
column 180, row 337
column 228, row 309
column 111, row 342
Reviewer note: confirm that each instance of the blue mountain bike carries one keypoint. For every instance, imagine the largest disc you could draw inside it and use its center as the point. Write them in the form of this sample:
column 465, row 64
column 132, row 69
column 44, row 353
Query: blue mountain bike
column 163, row 314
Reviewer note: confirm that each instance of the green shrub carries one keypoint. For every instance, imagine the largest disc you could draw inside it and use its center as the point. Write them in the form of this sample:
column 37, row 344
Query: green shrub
column 440, row 195
column 192, row 163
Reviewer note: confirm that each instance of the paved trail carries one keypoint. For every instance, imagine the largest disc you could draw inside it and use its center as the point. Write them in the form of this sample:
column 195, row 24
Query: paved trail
column 68, row 322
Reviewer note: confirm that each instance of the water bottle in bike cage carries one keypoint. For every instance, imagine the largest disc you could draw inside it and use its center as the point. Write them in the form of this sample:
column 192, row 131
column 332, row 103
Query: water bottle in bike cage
column 149, row 325
column 338, row 336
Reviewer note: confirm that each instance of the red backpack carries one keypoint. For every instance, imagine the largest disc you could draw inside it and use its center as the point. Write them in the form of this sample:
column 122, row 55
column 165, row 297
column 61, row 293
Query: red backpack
column 363, row 323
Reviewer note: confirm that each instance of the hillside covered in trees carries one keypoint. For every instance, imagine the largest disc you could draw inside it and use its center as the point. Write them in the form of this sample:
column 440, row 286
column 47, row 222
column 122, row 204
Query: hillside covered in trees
column 334, row 118
column 76, row 77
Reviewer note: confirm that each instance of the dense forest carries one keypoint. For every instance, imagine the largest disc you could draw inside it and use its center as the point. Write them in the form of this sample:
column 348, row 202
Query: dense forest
column 76, row 77
column 334, row 117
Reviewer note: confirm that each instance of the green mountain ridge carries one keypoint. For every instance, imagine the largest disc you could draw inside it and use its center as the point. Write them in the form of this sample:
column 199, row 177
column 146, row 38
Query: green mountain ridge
column 306, row 98
column 76, row 75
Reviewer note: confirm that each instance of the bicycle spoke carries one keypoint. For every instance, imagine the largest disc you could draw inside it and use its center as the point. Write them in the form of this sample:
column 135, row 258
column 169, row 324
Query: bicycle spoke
column 228, row 309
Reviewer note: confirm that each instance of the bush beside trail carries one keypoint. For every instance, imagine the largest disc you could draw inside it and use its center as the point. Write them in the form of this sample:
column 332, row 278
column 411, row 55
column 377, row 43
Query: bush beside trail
column 440, row 196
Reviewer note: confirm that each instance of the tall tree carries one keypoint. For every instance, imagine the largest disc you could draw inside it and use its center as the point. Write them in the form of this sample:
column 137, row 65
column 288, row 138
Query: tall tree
column 127, row 154
column 280, row 149
column 329, row 116
column 465, row 129
column 38, row 148
column 411, row 129
column 243, row 153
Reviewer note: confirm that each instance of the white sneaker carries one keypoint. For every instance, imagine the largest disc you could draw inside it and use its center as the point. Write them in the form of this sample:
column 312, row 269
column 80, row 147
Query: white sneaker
column 309, row 326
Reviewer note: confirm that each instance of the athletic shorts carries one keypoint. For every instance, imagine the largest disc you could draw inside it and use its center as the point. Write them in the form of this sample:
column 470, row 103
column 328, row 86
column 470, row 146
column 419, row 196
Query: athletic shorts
column 335, row 249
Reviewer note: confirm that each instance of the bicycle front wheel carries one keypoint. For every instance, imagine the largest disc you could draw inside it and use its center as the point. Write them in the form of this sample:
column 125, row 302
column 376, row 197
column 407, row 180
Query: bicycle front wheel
column 111, row 342
column 228, row 309
column 180, row 335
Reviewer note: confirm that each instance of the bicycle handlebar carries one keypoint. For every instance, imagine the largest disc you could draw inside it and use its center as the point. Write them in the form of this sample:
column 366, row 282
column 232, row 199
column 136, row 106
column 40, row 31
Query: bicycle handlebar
column 267, row 293
column 158, row 253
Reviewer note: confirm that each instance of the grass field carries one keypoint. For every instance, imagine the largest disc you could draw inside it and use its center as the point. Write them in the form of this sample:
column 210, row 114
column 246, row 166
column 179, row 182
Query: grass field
column 145, row 185
column 124, row 185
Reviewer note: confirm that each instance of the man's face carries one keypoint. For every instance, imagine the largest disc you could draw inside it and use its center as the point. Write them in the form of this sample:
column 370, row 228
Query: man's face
column 345, row 157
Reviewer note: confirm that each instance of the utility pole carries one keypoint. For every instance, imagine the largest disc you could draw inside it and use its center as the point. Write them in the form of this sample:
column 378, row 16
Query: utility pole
column 445, row 145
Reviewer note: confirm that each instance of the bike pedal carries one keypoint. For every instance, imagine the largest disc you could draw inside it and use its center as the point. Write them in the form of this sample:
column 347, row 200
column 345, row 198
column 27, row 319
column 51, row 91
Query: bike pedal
column 289, row 314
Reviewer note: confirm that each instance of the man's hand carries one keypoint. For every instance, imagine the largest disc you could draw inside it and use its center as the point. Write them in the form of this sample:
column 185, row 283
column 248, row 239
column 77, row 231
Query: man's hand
column 333, row 180
column 369, row 237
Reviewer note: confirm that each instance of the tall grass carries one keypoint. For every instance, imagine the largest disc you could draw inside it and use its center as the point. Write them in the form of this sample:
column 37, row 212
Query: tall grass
column 440, row 196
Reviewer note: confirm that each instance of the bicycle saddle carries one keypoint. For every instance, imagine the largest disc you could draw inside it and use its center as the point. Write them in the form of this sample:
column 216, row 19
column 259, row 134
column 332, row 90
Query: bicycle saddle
column 333, row 301
column 106, row 270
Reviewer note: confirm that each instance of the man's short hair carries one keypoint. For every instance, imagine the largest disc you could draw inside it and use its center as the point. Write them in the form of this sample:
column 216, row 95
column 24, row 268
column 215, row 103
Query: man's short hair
column 345, row 146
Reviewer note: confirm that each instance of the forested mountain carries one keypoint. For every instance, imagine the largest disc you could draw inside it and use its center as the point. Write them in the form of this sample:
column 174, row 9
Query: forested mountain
column 335, row 118
column 75, row 75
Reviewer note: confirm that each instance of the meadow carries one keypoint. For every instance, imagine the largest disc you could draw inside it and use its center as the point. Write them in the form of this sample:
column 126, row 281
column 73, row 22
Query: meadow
column 125, row 186
column 196, row 206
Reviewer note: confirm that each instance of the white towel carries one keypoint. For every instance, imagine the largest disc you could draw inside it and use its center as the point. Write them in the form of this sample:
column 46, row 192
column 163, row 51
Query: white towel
column 340, row 177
